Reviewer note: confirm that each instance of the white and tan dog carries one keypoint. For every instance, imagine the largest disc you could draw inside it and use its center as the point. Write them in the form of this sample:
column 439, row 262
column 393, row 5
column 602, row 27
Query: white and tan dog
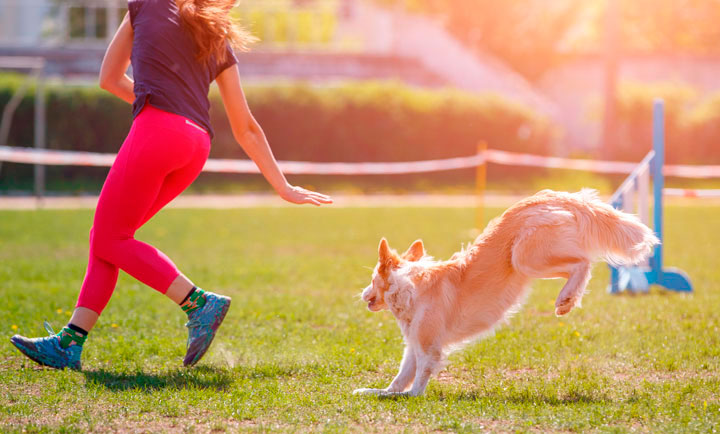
column 440, row 305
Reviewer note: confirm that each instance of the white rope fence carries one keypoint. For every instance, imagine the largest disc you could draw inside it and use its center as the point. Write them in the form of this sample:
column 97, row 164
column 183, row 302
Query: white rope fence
column 692, row 193
column 12, row 154
column 48, row 157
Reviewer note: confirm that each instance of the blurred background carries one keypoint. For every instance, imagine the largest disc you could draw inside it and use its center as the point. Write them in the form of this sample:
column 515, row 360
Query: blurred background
column 400, row 80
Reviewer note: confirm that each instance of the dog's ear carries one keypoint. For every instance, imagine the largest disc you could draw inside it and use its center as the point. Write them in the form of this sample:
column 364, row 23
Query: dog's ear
column 387, row 257
column 384, row 250
column 415, row 252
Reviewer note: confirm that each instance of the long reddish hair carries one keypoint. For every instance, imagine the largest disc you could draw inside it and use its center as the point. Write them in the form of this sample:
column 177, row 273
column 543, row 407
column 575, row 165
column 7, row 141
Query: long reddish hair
column 211, row 25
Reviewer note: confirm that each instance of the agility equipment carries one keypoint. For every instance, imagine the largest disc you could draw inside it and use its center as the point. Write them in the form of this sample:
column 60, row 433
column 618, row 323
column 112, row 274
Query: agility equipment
column 633, row 196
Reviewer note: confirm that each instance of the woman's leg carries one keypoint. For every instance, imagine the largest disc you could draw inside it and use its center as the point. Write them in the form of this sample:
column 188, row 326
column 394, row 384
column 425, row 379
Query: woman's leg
column 99, row 274
column 154, row 165
column 174, row 184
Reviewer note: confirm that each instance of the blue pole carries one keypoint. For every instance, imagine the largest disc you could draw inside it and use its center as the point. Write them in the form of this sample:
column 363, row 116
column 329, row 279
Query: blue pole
column 658, row 183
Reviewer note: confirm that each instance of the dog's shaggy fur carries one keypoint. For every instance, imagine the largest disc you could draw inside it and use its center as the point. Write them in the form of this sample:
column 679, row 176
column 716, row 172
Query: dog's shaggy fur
column 440, row 305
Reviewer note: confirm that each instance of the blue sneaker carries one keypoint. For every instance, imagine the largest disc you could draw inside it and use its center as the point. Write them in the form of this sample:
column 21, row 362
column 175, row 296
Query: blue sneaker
column 202, row 325
column 48, row 352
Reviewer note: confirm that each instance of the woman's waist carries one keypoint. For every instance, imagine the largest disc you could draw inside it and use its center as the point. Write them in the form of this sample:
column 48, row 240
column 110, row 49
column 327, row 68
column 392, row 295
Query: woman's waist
column 168, row 118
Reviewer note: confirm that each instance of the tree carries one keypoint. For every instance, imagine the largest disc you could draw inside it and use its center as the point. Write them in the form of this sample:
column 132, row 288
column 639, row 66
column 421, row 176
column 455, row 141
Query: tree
column 533, row 36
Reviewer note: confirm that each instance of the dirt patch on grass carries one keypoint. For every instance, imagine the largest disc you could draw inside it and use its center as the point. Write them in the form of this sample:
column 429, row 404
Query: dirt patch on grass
column 445, row 377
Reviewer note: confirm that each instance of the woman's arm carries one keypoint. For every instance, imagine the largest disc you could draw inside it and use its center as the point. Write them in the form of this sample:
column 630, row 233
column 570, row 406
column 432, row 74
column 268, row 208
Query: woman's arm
column 116, row 61
column 250, row 136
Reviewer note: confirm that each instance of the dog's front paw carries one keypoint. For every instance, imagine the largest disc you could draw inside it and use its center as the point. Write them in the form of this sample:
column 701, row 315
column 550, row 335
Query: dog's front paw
column 376, row 392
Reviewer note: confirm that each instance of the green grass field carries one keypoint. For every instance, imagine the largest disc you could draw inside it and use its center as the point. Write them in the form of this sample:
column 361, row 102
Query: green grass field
column 297, row 339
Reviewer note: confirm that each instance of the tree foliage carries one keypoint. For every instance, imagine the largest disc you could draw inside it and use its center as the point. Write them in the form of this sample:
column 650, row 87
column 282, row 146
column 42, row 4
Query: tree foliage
column 534, row 35
column 685, row 26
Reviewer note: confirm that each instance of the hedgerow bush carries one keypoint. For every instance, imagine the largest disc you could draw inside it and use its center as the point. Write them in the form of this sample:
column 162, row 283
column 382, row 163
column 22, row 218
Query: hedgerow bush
column 351, row 122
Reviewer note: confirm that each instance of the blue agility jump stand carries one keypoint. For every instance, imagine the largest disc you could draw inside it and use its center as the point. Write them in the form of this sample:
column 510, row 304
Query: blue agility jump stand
column 639, row 278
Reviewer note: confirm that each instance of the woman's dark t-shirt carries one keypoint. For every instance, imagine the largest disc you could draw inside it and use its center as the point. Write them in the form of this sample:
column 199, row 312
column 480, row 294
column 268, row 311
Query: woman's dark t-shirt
column 166, row 71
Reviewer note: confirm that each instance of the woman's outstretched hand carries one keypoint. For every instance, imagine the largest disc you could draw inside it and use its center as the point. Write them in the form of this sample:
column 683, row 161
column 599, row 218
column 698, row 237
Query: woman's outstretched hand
column 301, row 195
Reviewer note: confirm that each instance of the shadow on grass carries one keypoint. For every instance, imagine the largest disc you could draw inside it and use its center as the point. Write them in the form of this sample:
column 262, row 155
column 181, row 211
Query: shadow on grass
column 202, row 377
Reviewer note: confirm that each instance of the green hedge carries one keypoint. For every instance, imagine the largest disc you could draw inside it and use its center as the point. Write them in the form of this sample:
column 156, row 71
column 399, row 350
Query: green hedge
column 350, row 122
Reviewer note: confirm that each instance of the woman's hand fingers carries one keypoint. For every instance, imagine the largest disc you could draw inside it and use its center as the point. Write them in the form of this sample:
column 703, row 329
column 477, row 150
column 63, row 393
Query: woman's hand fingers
column 316, row 195
column 317, row 201
column 301, row 195
column 321, row 198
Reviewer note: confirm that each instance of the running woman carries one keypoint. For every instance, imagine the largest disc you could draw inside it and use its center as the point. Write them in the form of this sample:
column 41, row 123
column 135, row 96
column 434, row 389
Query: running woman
column 176, row 48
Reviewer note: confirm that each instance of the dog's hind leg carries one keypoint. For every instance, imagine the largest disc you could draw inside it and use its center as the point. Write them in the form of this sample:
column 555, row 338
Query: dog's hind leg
column 554, row 252
column 571, row 294
column 575, row 269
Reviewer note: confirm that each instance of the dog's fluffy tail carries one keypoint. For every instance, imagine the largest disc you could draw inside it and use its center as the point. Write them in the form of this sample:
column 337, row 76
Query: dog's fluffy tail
column 618, row 237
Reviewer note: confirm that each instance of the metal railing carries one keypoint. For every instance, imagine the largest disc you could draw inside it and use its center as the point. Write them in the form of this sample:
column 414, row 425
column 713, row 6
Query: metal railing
column 36, row 67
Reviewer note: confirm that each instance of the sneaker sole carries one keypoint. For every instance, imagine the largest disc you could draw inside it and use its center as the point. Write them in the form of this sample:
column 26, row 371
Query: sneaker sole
column 24, row 351
column 214, row 327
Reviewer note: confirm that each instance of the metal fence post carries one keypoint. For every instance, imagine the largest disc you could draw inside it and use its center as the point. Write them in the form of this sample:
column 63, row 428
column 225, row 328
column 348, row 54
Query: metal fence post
column 40, row 136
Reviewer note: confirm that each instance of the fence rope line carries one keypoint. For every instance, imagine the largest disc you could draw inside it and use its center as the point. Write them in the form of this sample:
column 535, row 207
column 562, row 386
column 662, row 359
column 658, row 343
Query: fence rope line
column 48, row 157
column 691, row 193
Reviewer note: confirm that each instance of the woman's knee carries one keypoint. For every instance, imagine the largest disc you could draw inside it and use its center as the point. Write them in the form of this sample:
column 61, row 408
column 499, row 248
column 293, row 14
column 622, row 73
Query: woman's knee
column 105, row 244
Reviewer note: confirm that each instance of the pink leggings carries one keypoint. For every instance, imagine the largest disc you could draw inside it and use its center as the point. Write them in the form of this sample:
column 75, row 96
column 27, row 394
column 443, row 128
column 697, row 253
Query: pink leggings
column 161, row 156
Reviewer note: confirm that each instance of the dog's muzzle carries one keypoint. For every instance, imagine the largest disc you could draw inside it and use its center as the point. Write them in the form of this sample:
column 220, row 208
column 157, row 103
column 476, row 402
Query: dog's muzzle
column 371, row 301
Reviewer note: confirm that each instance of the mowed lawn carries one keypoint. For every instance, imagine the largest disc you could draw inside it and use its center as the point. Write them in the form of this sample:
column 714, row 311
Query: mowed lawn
column 298, row 340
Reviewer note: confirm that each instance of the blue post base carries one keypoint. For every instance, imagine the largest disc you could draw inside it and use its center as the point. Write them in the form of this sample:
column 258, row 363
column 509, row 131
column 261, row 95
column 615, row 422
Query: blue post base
column 639, row 279
column 675, row 279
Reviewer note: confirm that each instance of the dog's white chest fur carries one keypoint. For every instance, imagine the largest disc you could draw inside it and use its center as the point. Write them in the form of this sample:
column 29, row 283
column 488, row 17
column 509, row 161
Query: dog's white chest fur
column 400, row 297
